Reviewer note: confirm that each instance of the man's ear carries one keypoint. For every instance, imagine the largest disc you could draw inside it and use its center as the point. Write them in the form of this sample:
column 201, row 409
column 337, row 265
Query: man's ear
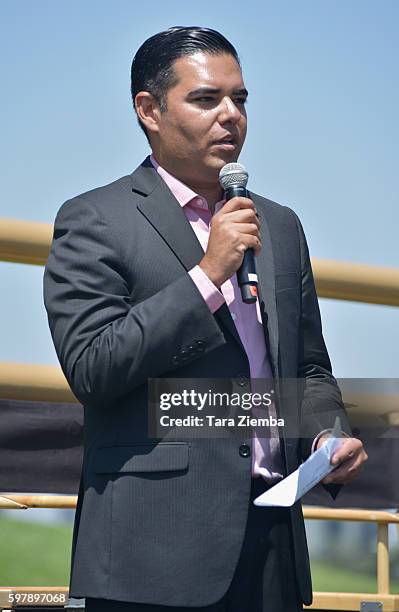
column 148, row 110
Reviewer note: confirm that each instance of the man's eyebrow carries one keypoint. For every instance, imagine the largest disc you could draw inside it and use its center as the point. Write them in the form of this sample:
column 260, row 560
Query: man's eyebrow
column 214, row 90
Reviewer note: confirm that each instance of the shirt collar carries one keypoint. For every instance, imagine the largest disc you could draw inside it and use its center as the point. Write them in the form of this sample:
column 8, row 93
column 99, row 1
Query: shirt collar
column 183, row 194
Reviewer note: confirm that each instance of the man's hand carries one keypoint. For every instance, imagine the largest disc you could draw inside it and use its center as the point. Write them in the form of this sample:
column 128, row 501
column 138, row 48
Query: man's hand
column 349, row 457
column 234, row 229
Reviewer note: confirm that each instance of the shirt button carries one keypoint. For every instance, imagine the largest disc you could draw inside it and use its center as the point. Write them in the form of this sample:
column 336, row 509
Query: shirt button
column 242, row 380
column 244, row 450
column 233, row 316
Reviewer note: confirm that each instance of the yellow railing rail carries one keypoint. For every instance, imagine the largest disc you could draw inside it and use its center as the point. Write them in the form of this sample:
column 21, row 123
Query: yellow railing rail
column 47, row 383
column 24, row 501
column 340, row 280
column 29, row 242
column 34, row 382
column 322, row 600
column 18, row 501
column 25, row 241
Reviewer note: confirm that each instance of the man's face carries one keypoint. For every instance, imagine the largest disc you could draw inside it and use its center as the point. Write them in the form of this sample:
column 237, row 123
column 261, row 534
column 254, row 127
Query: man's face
column 205, row 123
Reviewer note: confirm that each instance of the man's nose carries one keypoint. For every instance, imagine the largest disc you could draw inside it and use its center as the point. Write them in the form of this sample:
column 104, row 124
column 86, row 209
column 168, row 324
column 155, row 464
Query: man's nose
column 229, row 111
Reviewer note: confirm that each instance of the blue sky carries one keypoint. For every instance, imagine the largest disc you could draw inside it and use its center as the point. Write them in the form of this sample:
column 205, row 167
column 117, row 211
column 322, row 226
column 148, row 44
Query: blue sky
column 322, row 137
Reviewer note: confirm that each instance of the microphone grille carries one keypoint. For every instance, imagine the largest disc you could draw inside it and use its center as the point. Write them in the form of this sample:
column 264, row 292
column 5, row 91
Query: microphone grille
column 233, row 174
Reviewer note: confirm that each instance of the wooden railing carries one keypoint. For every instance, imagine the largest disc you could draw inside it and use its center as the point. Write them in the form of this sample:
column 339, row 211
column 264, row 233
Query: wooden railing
column 352, row 601
column 29, row 242
column 321, row 601
column 34, row 382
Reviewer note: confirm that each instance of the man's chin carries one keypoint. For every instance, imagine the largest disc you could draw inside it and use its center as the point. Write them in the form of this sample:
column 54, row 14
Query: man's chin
column 222, row 158
column 208, row 169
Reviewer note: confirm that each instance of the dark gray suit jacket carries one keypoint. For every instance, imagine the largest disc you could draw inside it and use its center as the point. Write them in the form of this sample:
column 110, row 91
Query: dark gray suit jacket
column 162, row 521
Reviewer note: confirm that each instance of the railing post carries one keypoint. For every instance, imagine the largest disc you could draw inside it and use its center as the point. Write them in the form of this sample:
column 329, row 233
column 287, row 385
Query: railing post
column 382, row 558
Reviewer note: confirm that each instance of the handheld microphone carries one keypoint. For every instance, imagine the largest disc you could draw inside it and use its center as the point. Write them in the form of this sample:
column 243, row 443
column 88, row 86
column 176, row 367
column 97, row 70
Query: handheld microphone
column 233, row 178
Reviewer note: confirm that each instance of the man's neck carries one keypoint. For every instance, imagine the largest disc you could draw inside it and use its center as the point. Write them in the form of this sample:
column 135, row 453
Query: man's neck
column 211, row 192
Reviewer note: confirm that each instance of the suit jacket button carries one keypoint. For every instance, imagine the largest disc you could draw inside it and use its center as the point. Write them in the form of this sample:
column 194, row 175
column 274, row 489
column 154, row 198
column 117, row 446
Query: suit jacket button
column 183, row 355
column 244, row 450
column 175, row 359
column 191, row 349
column 200, row 345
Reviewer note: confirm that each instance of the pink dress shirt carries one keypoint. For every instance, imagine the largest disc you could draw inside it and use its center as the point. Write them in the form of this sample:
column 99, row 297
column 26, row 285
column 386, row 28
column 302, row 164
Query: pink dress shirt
column 266, row 456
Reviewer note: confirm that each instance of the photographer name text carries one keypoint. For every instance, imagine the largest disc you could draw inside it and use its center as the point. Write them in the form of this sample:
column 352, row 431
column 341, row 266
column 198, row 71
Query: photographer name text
column 241, row 420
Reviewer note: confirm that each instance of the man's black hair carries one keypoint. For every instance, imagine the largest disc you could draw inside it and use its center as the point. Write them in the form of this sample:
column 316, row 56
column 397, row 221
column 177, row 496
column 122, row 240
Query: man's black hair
column 152, row 66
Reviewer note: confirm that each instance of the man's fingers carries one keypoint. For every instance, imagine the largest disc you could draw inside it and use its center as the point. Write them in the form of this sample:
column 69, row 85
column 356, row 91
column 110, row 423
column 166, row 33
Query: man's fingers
column 347, row 470
column 342, row 476
column 252, row 242
column 348, row 449
column 247, row 228
column 349, row 459
column 244, row 215
column 237, row 203
column 343, row 471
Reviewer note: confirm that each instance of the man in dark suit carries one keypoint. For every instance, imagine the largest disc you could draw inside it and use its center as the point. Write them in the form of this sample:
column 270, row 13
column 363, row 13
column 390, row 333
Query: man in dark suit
column 140, row 283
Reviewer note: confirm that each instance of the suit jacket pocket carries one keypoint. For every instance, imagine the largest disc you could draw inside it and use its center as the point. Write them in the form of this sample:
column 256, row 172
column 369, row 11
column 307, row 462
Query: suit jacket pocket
column 162, row 457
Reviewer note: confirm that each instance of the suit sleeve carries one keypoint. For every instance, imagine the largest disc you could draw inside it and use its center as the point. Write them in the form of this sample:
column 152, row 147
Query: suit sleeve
column 322, row 400
column 107, row 345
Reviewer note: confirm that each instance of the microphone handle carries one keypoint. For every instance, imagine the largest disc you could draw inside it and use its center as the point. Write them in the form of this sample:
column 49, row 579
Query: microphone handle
column 246, row 274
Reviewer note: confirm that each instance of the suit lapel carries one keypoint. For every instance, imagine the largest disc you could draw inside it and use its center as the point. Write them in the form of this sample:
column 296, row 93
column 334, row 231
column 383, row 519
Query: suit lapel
column 165, row 214
column 265, row 267
column 267, row 291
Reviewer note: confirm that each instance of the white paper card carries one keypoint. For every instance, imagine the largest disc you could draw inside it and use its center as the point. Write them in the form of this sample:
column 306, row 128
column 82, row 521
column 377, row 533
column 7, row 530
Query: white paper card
column 315, row 468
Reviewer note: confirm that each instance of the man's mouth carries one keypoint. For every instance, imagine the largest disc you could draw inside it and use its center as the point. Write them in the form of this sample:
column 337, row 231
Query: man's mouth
column 227, row 142
column 227, row 138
